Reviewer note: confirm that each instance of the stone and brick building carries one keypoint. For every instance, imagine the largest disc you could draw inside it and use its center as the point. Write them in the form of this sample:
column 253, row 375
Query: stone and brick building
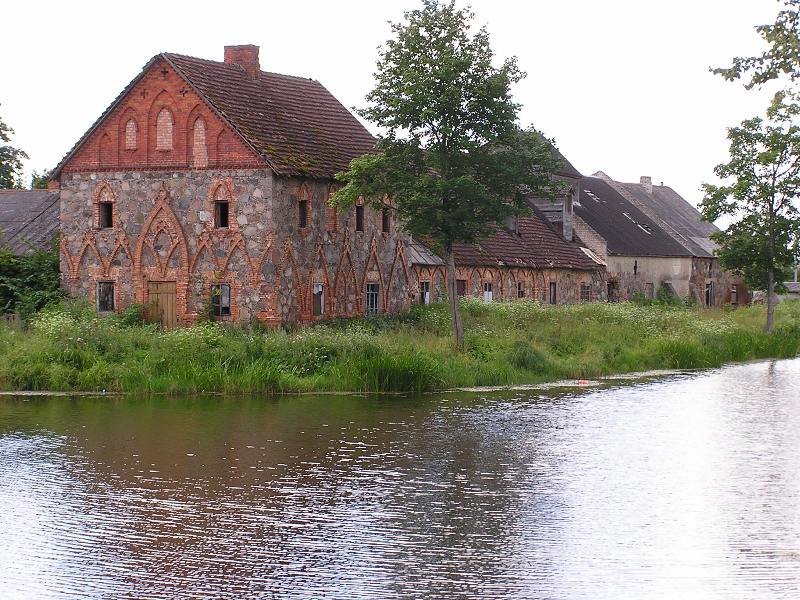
column 204, row 187
column 536, row 257
column 650, row 237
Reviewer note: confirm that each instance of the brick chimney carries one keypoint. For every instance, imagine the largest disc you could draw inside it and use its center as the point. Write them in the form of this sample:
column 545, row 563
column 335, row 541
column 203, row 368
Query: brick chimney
column 245, row 56
column 647, row 183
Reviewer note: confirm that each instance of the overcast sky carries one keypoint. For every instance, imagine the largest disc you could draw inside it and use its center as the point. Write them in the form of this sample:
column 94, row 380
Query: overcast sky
column 622, row 85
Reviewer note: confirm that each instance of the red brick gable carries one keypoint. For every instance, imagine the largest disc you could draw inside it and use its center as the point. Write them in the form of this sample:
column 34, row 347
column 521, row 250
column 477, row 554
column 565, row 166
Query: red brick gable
column 128, row 136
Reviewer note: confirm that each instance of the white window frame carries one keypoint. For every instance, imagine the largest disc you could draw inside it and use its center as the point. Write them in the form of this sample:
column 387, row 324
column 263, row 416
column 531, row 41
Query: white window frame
column 488, row 294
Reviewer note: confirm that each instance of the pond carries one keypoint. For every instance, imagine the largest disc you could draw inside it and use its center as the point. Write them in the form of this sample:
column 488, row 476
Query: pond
column 683, row 486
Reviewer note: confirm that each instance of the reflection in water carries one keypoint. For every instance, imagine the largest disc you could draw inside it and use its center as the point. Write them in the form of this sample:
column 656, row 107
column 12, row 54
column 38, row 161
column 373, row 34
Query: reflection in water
column 682, row 488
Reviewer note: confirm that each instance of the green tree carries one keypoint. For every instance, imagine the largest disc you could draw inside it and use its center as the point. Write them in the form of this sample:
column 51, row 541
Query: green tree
column 763, row 179
column 10, row 159
column 39, row 180
column 781, row 59
column 452, row 159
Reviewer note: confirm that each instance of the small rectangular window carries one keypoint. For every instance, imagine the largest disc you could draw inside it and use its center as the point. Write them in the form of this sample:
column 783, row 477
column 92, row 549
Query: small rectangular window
column 734, row 294
column 553, row 297
column 461, row 287
column 302, row 208
column 385, row 220
column 487, row 292
column 424, row 292
column 520, row 289
column 106, row 216
column 373, row 303
column 359, row 218
column 221, row 300
column 105, row 296
column 586, row 292
column 318, row 295
column 221, row 215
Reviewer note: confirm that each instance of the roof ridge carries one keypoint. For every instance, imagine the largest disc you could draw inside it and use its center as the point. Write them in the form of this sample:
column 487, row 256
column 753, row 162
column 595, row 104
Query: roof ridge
column 234, row 65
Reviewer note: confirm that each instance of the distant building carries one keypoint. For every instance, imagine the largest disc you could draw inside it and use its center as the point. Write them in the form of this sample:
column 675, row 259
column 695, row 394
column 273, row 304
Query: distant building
column 709, row 284
column 650, row 238
column 28, row 220
column 793, row 287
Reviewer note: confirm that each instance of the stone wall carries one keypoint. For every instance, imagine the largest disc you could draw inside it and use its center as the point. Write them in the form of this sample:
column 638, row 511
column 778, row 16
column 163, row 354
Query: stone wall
column 164, row 230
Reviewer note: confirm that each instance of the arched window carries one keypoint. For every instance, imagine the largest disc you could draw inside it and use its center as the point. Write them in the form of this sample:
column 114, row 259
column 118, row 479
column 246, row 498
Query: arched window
column 164, row 130
column 131, row 131
column 199, row 149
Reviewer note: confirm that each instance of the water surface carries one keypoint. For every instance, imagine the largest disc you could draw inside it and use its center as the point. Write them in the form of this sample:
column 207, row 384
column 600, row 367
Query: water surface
column 683, row 487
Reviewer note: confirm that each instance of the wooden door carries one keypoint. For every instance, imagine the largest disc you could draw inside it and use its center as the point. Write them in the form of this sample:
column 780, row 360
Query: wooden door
column 161, row 296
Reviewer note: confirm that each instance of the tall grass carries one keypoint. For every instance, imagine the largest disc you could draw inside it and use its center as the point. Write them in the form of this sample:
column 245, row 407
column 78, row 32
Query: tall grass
column 69, row 348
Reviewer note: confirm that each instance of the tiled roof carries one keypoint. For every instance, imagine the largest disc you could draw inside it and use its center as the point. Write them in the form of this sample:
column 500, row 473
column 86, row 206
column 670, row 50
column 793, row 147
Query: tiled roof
column 294, row 122
column 28, row 220
column 535, row 245
column 626, row 229
column 676, row 216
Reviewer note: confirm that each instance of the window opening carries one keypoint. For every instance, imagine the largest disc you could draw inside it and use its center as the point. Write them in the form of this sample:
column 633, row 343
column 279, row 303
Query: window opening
column 372, row 298
column 318, row 294
column 221, row 300
column 105, row 296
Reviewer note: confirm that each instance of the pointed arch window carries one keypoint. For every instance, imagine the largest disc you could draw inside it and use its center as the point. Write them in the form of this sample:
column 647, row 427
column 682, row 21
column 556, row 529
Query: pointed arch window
column 199, row 148
column 164, row 127
column 131, row 135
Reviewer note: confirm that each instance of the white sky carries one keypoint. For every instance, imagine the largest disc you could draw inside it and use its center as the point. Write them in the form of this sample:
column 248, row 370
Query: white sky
column 622, row 85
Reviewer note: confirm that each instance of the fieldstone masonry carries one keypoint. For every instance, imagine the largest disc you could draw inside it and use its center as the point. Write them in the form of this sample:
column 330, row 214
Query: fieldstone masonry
column 164, row 230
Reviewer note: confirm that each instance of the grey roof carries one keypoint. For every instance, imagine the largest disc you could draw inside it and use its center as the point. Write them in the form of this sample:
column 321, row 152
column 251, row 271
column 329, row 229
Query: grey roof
column 28, row 220
column 682, row 221
column 418, row 254
column 626, row 229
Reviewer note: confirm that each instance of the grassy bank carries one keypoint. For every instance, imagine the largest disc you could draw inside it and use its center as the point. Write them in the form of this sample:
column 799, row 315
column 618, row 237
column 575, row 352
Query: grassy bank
column 69, row 348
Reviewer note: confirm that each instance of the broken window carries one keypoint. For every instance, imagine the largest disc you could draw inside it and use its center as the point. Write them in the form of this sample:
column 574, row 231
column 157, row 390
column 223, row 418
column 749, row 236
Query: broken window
column 359, row 218
column 221, row 214
column 385, row 220
column 424, row 292
column 710, row 293
column 520, row 289
column 318, row 296
column 105, row 216
column 302, row 208
column 372, row 299
column 461, row 287
column 586, row 292
column 487, row 292
column 221, row 300
column 105, row 296
column 553, row 297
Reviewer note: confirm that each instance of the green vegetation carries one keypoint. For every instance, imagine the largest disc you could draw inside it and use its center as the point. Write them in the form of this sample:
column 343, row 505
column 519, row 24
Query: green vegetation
column 67, row 347
column 453, row 158
column 29, row 283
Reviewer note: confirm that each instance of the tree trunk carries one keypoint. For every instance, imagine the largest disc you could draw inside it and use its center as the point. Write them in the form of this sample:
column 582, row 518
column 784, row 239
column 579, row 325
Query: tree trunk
column 770, row 301
column 455, row 307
